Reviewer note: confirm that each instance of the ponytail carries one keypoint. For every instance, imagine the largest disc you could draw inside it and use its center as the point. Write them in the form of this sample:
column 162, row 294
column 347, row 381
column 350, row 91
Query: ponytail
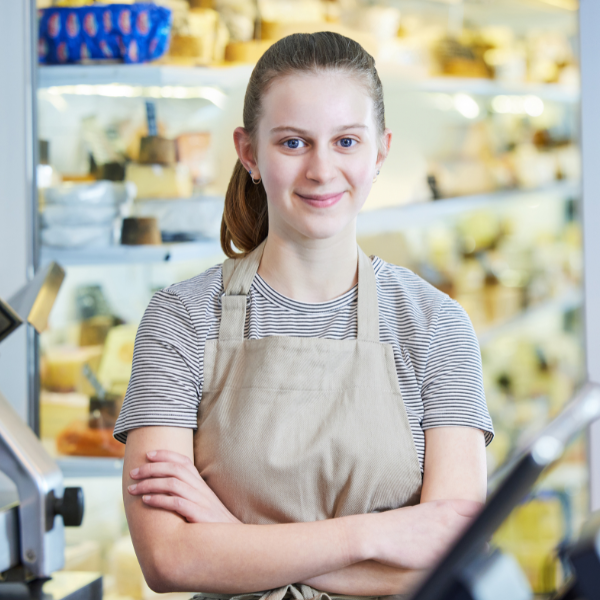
column 245, row 221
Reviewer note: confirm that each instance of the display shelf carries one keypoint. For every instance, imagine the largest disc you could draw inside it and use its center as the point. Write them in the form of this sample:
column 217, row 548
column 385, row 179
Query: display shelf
column 371, row 222
column 88, row 466
column 385, row 220
column 118, row 254
column 490, row 87
column 226, row 77
column 572, row 298
column 142, row 75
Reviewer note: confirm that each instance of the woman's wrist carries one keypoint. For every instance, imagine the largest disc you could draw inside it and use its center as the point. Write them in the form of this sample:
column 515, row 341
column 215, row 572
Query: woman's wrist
column 358, row 530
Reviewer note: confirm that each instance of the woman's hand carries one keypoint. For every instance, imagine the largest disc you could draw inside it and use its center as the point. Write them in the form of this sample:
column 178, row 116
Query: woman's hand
column 416, row 537
column 171, row 481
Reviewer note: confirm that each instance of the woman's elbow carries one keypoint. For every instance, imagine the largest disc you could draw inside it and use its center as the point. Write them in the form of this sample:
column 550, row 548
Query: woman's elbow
column 159, row 570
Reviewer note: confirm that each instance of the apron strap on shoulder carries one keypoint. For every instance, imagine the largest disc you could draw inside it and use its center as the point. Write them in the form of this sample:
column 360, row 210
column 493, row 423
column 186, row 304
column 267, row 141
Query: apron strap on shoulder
column 368, row 309
column 238, row 275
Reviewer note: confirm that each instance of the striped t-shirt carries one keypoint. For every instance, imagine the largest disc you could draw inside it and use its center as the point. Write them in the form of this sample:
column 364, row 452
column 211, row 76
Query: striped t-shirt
column 436, row 352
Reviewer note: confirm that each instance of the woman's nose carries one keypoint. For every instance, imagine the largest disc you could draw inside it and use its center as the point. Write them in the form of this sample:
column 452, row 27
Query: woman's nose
column 321, row 166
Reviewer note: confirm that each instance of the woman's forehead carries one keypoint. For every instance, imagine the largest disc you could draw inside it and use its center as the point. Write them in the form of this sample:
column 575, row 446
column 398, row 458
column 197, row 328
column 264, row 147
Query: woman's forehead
column 315, row 100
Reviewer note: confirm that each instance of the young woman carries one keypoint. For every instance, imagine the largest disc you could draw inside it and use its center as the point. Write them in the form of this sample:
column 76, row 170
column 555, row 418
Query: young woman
column 302, row 414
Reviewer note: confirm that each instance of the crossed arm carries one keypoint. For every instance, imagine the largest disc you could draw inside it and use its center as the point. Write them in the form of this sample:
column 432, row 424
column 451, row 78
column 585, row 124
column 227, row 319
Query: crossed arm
column 187, row 540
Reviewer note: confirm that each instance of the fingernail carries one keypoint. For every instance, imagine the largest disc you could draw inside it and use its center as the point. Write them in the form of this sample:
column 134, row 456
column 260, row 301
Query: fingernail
column 151, row 454
column 145, row 498
column 134, row 472
column 131, row 488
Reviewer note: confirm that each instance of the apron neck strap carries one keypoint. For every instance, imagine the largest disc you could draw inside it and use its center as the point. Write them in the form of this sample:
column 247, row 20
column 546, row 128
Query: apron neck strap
column 368, row 306
column 238, row 275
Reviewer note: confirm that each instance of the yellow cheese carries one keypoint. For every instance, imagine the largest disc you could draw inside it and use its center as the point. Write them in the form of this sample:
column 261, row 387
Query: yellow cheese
column 115, row 367
column 62, row 368
column 246, row 52
column 58, row 410
column 157, row 181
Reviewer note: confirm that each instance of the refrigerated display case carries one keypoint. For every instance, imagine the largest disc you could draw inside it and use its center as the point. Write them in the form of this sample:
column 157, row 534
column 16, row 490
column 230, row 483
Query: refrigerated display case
column 481, row 196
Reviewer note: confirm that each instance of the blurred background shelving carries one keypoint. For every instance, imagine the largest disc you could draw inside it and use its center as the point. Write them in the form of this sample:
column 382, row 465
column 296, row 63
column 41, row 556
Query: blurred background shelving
column 480, row 196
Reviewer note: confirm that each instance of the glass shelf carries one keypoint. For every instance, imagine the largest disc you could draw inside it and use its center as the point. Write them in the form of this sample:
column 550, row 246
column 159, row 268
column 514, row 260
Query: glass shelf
column 119, row 254
column 569, row 300
column 142, row 75
column 227, row 77
column 396, row 218
column 369, row 223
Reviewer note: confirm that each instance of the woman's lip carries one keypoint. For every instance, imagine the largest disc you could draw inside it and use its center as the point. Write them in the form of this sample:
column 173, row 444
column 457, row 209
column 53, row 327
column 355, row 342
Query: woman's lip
column 321, row 201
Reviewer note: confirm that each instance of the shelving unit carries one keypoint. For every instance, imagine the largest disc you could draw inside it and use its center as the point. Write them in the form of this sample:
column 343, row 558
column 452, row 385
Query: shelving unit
column 108, row 255
column 410, row 215
column 369, row 223
column 142, row 75
column 571, row 299
column 227, row 77
column 167, row 81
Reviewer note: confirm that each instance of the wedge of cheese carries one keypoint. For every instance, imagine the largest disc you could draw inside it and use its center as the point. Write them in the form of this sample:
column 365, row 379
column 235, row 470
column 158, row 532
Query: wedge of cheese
column 160, row 181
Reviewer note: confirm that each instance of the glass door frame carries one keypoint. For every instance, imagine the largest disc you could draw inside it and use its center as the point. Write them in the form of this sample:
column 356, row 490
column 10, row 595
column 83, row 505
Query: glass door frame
column 589, row 43
column 18, row 195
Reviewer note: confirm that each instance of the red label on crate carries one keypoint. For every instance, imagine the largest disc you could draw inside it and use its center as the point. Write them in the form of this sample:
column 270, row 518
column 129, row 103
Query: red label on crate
column 105, row 49
column 90, row 25
column 85, row 51
column 62, row 52
column 133, row 51
column 125, row 21
column 107, row 21
column 143, row 23
column 54, row 25
column 72, row 25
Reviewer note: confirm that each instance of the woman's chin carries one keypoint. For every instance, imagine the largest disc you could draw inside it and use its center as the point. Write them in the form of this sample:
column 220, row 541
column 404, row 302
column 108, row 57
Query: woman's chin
column 324, row 231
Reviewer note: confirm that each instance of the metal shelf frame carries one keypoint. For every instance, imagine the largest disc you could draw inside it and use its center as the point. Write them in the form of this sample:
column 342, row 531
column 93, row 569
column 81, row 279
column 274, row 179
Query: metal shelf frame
column 589, row 25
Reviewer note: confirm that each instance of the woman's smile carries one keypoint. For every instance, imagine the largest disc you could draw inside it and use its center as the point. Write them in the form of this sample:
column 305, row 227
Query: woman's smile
column 320, row 200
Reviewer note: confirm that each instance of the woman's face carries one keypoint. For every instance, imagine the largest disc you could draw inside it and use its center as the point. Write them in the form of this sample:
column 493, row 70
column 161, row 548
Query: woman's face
column 317, row 153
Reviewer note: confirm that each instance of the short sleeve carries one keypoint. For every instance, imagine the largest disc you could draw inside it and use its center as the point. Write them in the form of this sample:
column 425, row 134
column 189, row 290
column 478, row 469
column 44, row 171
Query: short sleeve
column 164, row 388
column 452, row 389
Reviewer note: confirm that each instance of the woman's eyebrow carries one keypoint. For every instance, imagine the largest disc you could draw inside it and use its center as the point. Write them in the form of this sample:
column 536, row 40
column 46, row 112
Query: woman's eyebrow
column 305, row 132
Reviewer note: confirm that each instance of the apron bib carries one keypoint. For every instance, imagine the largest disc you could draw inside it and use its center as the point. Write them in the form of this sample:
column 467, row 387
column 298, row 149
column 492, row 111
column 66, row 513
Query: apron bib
column 302, row 429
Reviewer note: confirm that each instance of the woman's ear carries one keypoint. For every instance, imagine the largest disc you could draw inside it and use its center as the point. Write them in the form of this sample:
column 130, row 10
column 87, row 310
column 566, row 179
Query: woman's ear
column 245, row 152
column 384, row 148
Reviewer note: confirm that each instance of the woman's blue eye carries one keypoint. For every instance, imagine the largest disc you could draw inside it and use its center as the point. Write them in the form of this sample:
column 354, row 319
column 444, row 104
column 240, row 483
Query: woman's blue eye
column 293, row 144
column 347, row 142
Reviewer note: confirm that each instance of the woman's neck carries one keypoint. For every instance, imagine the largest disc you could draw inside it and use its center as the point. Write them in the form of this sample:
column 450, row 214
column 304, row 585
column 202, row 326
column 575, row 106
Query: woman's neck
column 311, row 271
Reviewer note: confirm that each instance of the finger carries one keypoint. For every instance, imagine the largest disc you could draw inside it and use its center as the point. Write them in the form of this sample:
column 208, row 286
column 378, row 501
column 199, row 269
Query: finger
column 188, row 510
column 168, row 456
column 173, row 457
column 169, row 485
column 162, row 469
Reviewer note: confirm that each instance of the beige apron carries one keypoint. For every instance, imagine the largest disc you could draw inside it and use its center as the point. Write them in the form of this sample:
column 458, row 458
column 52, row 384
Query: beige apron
column 302, row 429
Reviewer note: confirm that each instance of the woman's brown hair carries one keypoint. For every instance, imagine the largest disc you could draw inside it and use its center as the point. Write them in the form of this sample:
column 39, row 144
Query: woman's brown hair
column 245, row 221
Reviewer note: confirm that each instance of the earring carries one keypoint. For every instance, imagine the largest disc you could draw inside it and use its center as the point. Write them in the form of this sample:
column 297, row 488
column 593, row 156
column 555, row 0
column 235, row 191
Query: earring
column 375, row 178
column 255, row 182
